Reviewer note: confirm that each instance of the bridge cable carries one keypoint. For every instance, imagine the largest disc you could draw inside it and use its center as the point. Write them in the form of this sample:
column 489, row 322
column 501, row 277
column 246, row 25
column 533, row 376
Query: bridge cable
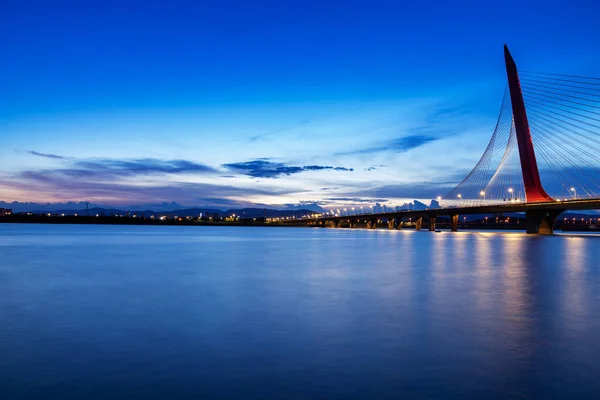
column 567, row 76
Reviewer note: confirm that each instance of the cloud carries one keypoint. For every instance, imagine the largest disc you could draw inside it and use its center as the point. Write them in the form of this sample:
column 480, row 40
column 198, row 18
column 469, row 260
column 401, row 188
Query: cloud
column 321, row 167
column 108, row 167
column 357, row 199
column 438, row 123
column 110, row 180
column 267, row 169
column 54, row 184
column 145, row 166
column 399, row 145
column 111, row 169
column 46, row 155
column 276, row 131
column 374, row 168
column 367, row 150
column 410, row 142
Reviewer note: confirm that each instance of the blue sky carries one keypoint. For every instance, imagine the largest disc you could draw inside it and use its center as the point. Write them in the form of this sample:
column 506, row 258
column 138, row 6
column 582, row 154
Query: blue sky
column 252, row 102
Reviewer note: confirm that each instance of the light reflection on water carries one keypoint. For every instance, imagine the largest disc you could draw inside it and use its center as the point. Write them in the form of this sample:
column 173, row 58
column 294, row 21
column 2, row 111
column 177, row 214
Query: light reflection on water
column 196, row 312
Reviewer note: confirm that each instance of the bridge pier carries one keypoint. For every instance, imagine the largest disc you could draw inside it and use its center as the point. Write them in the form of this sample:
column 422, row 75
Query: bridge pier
column 332, row 223
column 454, row 223
column 431, row 224
column 398, row 223
column 353, row 223
column 541, row 222
column 392, row 223
column 418, row 223
column 372, row 224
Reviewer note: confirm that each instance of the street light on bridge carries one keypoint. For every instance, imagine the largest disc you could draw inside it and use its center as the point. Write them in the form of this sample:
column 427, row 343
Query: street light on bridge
column 482, row 194
column 574, row 193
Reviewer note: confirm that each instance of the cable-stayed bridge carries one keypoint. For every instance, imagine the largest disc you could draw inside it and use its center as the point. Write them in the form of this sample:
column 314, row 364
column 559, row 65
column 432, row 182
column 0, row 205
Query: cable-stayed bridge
column 543, row 158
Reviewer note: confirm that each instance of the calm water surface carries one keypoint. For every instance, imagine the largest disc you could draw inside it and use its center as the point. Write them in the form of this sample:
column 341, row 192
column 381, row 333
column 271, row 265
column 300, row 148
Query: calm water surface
column 124, row 312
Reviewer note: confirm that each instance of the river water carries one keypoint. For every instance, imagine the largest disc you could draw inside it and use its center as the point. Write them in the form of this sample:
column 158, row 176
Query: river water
column 150, row 312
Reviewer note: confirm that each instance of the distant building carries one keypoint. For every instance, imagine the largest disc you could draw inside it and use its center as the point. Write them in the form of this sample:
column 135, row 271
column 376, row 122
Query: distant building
column 5, row 211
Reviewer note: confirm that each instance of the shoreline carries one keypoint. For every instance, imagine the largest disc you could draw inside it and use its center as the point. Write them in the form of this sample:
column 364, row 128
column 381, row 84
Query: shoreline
column 114, row 220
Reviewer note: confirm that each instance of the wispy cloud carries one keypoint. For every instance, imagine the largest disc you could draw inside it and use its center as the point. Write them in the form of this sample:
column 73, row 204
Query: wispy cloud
column 438, row 123
column 367, row 150
column 276, row 131
column 46, row 155
column 410, row 142
column 399, row 145
column 268, row 169
column 145, row 166
column 106, row 168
